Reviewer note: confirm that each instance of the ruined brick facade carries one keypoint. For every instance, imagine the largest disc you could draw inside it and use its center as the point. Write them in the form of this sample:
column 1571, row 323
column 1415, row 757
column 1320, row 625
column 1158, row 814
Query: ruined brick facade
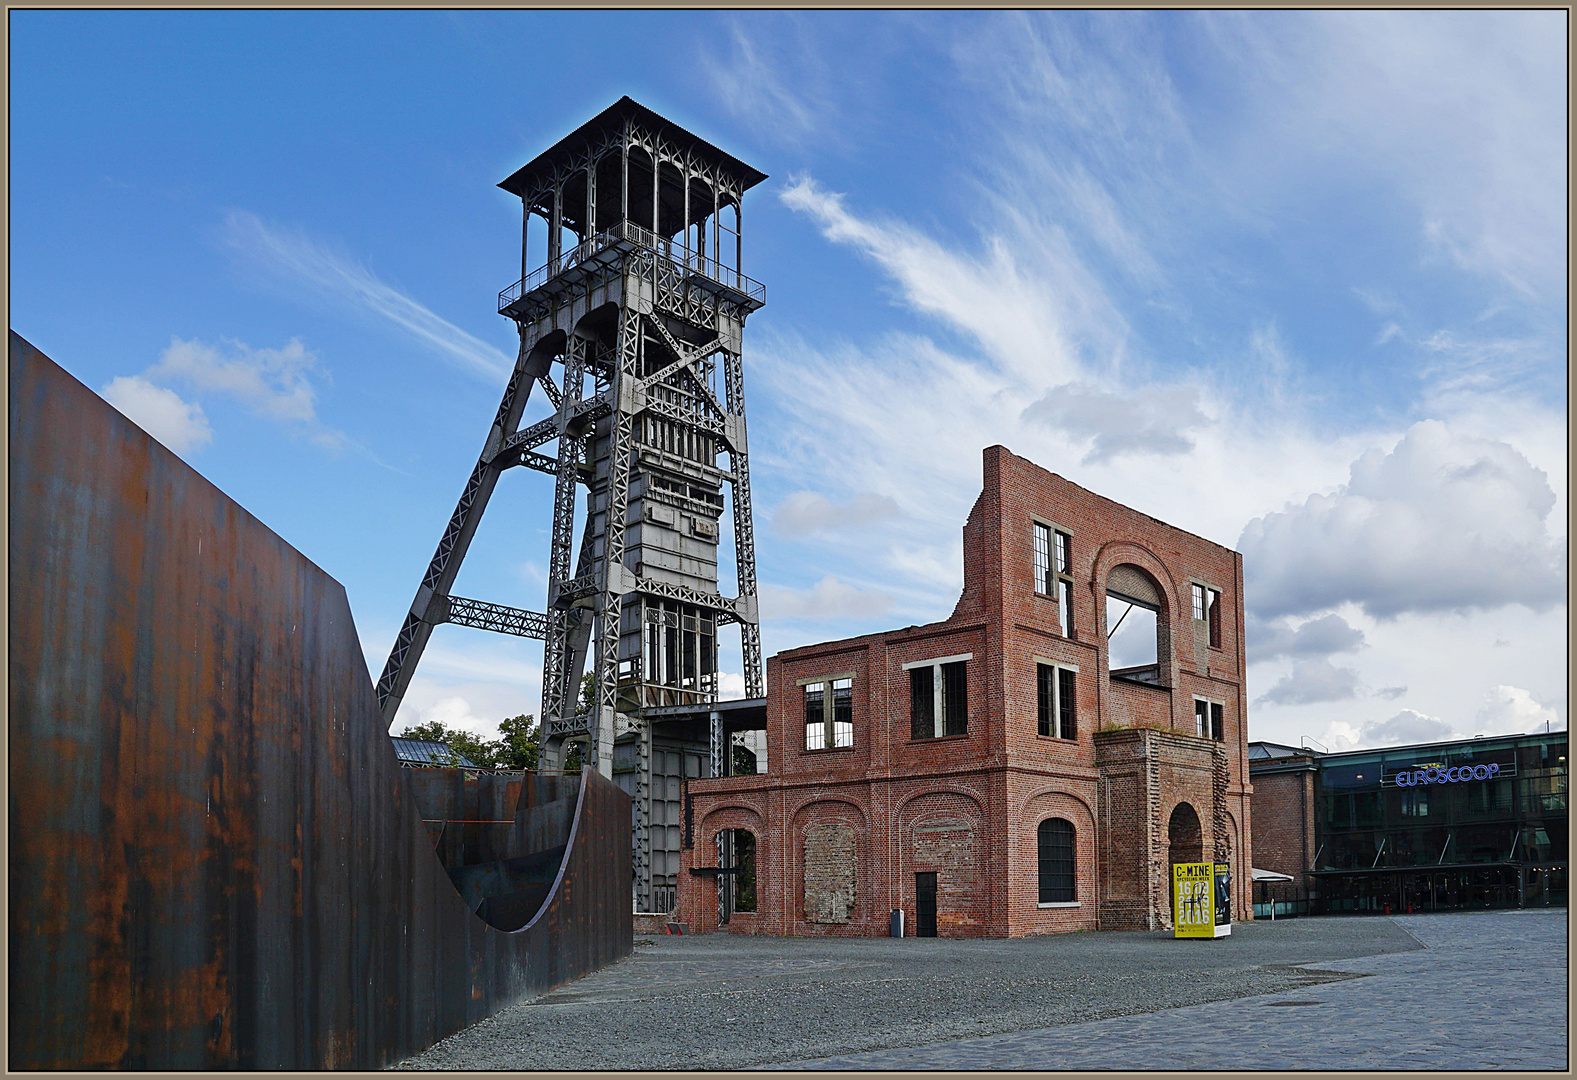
column 844, row 834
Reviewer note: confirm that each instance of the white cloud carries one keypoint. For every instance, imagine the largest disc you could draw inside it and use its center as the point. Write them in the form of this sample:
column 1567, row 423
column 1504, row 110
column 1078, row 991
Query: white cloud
column 178, row 424
column 1407, row 726
column 1313, row 681
column 1511, row 710
column 1268, row 639
column 309, row 262
column 272, row 383
column 730, row 686
column 806, row 512
column 829, row 598
column 1146, row 420
column 1444, row 522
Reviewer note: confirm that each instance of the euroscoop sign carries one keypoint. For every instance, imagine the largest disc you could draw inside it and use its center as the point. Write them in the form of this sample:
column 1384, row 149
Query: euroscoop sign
column 1435, row 774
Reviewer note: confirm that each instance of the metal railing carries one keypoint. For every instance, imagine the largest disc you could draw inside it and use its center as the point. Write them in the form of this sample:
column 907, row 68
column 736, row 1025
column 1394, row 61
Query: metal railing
column 629, row 233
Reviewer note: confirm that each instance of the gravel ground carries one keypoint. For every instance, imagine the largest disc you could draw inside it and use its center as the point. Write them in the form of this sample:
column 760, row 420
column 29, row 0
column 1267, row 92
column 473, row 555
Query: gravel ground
column 717, row 1001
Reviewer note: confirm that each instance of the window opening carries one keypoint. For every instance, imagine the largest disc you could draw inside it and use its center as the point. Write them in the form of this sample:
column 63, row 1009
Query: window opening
column 1209, row 719
column 1213, row 613
column 1053, row 559
column 1043, row 579
column 829, row 726
column 938, row 699
column 1056, row 708
column 1054, row 841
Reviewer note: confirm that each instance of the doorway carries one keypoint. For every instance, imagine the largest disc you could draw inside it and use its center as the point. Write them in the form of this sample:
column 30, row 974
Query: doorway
column 925, row 905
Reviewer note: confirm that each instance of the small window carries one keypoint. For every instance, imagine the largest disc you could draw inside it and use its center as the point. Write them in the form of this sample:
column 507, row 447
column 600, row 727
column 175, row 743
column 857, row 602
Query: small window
column 1056, row 704
column 1199, row 601
column 1065, row 608
column 1043, row 578
column 1054, row 841
column 922, row 703
column 1213, row 613
column 1208, row 719
column 829, row 727
column 815, row 717
column 1064, row 546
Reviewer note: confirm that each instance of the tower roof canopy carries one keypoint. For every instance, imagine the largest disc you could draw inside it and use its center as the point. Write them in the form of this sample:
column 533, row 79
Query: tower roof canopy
column 531, row 176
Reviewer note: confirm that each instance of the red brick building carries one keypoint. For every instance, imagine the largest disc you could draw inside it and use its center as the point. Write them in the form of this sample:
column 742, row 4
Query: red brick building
column 992, row 774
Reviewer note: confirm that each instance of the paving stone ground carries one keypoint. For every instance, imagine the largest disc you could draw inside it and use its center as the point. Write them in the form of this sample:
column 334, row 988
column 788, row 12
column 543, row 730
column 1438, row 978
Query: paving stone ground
column 1487, row 992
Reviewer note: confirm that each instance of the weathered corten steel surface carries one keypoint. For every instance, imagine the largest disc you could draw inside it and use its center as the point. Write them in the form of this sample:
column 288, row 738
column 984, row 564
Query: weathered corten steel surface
column 216, row 861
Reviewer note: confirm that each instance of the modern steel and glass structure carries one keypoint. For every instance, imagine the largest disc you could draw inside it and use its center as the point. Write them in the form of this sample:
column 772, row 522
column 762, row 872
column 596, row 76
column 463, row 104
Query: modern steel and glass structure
column 1472, row 823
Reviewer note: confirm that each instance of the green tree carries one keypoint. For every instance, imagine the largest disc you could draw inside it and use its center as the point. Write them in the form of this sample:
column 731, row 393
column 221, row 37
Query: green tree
column 517, row 745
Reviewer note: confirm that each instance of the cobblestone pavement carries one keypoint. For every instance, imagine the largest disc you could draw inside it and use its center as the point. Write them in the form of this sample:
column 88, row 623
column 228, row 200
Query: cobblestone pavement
column 1487, row 992
column 722, row 1001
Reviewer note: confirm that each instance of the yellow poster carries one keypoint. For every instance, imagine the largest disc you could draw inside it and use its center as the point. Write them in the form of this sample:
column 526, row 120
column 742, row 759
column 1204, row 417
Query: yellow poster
column 1193, row 900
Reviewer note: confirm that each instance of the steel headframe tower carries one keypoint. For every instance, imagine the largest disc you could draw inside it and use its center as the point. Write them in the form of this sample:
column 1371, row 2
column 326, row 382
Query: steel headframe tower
column 649, row 302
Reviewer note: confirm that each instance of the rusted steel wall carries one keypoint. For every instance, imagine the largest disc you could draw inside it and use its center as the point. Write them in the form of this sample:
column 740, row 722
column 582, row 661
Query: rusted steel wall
column 216, row 861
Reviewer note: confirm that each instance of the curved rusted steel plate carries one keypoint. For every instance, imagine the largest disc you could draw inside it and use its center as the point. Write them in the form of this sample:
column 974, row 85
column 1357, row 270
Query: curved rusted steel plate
column 216, row 861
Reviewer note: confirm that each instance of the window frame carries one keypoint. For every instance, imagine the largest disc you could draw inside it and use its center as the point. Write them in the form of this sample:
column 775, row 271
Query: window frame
column 826, row 686
column 1056, row 711
column 1057, row 581
column 940, row 715
column 1206, row 601
column 1072, row 869
column 1215, row 719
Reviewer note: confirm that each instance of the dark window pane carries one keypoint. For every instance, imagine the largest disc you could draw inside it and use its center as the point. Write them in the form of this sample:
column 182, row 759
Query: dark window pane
column 955, row 698
column 1202, row 718
column 1043, row 697
column 1215, row 721
column 1068, row 703
column 1214, row 601
column 922, row 704
column 1054, row 838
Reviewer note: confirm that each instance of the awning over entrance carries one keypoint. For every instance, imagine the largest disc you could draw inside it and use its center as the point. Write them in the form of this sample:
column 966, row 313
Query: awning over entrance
column 1259, row 875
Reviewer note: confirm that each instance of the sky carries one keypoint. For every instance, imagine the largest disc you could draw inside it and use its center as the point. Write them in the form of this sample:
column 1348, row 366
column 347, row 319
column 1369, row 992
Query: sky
column 1292, row 281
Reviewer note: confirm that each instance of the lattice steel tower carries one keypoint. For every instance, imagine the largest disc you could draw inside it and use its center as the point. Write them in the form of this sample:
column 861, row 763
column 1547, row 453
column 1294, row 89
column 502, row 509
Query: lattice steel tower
column 648, row 302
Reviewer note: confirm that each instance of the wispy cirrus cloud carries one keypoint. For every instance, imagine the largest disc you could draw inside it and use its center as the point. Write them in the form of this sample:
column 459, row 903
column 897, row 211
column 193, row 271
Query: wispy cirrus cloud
column 305, row 260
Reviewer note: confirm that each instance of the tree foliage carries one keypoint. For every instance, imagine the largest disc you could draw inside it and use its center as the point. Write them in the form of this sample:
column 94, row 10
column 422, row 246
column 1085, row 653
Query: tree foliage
column 515, row 748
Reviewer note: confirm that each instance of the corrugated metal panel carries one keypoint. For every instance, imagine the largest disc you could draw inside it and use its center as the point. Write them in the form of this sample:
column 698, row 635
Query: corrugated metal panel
column 216, row 860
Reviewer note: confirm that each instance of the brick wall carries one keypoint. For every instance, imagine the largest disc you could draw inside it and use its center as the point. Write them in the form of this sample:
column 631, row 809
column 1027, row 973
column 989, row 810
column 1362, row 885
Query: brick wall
column 1284, row 827
column 967, row 807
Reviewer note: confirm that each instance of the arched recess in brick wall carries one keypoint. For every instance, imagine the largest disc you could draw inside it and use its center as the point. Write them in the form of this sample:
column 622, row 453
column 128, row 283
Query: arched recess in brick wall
column 1134, row 573
column 831, row 854
column 1054, row 803
column 944, row 833
column 1185, row 839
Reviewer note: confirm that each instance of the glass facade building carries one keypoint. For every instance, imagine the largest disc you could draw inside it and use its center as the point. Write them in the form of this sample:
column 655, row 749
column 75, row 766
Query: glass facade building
column 1468, row 824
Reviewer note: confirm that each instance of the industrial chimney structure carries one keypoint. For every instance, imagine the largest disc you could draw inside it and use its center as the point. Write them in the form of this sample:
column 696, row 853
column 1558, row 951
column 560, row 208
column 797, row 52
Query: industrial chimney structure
column 632, row 327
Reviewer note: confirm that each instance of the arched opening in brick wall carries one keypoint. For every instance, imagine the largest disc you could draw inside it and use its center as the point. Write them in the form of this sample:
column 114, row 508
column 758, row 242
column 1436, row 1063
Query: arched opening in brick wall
column 1184, row 837
column 1136, row 625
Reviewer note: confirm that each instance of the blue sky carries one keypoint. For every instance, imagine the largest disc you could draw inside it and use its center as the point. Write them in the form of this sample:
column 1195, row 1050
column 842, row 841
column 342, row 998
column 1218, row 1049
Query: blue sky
column 1295, row 281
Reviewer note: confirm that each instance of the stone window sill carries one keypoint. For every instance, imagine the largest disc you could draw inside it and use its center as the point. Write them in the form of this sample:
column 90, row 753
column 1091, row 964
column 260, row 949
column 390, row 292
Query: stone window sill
column 938, row 739
column 1060, row 904
column 830, row 750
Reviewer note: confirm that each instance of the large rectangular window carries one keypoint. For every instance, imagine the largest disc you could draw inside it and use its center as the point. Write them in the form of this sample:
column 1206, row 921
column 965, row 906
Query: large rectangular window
column 829, row 727
column 1053, row 564
column 1056, row 701
column 939, row 697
